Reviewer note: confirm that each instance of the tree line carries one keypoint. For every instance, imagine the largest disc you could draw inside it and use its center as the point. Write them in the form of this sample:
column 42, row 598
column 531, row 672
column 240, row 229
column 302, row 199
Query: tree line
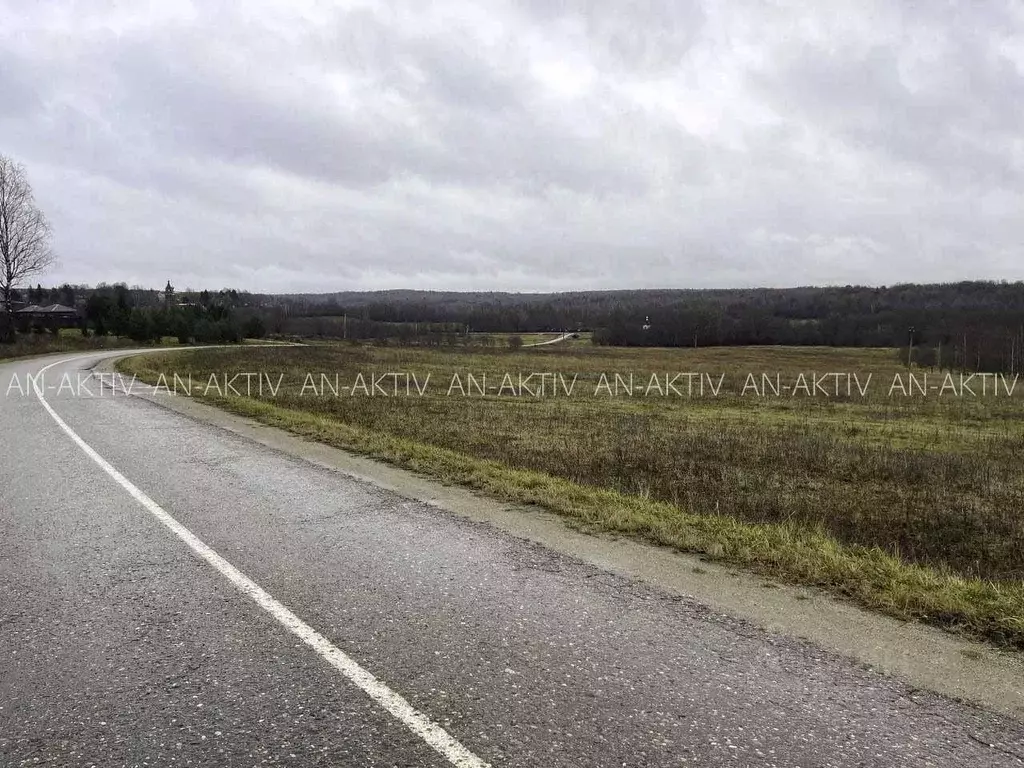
column 206, row 318
column 971, row 325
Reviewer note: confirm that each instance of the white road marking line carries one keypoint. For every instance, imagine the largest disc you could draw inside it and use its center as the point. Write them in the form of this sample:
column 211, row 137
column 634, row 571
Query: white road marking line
column 433, row 734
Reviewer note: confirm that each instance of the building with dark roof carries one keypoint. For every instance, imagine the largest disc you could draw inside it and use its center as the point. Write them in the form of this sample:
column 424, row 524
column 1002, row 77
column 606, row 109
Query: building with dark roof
column 49, row 318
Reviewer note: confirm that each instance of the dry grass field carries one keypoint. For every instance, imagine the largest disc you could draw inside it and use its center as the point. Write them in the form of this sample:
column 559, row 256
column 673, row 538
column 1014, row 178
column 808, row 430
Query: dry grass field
column 829, row 467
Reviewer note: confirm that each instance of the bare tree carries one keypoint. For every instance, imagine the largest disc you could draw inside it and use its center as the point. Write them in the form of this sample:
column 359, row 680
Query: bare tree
column 25, row 234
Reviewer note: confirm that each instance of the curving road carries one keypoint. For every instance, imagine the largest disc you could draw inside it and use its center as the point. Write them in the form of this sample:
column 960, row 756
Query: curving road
column 172, row 594
column 557, row 340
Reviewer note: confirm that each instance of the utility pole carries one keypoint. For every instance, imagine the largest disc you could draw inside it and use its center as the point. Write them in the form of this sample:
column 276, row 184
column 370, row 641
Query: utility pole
column 910, row 348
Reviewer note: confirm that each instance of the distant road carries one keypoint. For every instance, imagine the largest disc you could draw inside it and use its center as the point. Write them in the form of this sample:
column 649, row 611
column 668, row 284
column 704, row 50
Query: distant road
column 174, row 594
column 563, row 337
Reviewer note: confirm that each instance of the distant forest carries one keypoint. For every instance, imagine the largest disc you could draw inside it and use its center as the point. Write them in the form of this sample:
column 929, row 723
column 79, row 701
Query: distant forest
column 967, row 325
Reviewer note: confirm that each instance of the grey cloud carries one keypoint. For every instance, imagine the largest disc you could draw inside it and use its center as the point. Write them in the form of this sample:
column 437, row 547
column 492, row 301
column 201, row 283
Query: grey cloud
column 18, row 94
column 647, row 35
column 526, row 145
column 459, row 80
column 475, row 128
column 959, row 127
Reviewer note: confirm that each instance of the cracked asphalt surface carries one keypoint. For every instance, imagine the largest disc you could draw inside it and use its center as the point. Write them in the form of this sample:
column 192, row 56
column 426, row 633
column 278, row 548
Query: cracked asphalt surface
column 119, row 647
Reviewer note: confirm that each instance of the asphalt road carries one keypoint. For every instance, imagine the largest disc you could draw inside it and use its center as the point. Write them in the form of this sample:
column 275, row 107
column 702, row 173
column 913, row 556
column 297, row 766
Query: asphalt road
column 328, row 622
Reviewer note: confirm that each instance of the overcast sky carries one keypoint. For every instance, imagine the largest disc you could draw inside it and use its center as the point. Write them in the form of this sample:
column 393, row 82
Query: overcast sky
column 534, row 145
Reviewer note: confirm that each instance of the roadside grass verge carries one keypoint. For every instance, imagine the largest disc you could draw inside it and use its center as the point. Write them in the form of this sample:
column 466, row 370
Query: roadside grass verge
column 67, row 340
column 909, row 533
